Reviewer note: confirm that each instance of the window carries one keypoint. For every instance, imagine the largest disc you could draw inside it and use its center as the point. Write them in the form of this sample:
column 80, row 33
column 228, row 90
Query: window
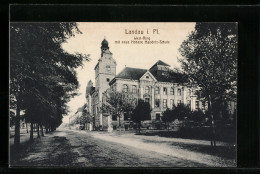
column 108, row 79
column 108, row 68
column 126, row 116
column 114, row 117
column 179, row 102
column 125, row 88
column 157, row 90
column 157, row 103
column 203, row 105
column 165, row 91
column 147, row 89
column 179, row 92
column 147, row 100
column 189, row 103
column 172, row 91
column 147, row 77
column 197, row 105
column 134, row 89
column 164, row 103
column 171, row 103
column 189, row 92
column 157, row 116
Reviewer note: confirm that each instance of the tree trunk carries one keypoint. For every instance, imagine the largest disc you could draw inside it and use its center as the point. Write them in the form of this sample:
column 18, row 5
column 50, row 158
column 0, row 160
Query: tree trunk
column 17, row 128
column 42, row 130
column 168, row 126
column 119, row 125
column 27, row 128
column 46, row 129
column 139, row 127
column 31, row 132
column 213, row 132
column 38, row 131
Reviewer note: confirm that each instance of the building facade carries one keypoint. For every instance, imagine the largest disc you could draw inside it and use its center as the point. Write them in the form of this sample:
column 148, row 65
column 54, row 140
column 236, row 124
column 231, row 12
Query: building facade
column 159, row 85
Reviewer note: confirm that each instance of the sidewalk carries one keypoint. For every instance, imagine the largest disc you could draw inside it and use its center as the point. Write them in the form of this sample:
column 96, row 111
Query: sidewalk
column 175, row 147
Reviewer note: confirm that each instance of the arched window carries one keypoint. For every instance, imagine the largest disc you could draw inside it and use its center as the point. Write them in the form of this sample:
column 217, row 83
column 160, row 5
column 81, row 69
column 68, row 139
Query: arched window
column 157, row 90
column 125, row 88
column 172, row 91
column 179, row 92
column 147, row 89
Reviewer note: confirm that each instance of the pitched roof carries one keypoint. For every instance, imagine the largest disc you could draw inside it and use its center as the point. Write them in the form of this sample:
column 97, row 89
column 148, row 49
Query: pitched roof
column 169, row 76
column 131, row 73
column 161, row 76
column 159, row 62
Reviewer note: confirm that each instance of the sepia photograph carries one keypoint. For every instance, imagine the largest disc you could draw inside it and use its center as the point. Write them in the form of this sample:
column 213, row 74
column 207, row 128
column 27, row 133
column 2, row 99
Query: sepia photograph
column 123, row 94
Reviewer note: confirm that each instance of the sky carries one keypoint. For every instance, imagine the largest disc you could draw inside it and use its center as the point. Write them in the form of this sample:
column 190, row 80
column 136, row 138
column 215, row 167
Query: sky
column 126, row 53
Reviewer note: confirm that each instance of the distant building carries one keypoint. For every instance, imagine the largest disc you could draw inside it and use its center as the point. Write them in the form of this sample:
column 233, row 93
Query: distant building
column 153, row 85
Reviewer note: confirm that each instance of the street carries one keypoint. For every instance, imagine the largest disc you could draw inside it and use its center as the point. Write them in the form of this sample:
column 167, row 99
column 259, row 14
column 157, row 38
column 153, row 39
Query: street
column 101, row 149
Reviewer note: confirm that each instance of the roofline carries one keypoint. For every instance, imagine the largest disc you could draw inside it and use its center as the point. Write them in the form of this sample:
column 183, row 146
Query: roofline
column 96, row 66
column 112, row 81
column 161, row 65
column 150, row 74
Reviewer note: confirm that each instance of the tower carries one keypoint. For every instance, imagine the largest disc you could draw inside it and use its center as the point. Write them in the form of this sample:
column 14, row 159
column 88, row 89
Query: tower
column 105, row 71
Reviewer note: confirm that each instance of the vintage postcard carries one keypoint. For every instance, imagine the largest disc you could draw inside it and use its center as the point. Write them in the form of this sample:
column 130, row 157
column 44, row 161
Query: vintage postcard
column 123, row 94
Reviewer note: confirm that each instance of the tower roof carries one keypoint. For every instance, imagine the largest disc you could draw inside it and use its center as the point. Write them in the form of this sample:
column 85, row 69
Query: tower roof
column 104, row 43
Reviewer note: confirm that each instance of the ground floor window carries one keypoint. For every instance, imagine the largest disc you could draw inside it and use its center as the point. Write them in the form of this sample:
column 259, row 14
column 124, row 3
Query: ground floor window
column 157, row 103
column 189, row 103
column 157, row 116
column 203, row 105
column 197, row 105
column 114, row 117
column 171, row 103
column 126, row 116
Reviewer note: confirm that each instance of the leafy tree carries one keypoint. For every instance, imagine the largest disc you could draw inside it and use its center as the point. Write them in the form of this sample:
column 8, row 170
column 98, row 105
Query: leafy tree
column 141, row 112
column 117, row 103
column 84, row 118
column 209, row 60
column 42, row 74
column 168, row 116
column 197, row 116
column 182, row 111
